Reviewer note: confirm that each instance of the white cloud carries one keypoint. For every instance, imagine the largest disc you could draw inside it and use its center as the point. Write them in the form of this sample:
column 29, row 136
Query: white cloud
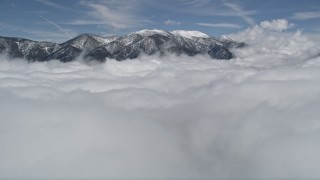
column 238, row 11
column 211, row 8
column 170, row 22
column 113, row 17
column 57, row 26
column 196, row 3
column 54, row 5
column 220, row 25
column 113, row 14
column 276, row 25
column 307, row 15
column 255, row 116
column 85, row 22
column 49, row 35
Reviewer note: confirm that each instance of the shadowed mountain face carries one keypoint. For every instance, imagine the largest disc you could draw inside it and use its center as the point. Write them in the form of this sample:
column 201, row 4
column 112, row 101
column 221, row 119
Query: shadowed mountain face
column 93, row 47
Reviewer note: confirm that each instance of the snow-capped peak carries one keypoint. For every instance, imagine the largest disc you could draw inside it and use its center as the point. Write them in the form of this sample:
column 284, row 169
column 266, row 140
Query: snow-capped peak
column 224, row 37
column 106, row 39
column 190, row 34
column 148, row 32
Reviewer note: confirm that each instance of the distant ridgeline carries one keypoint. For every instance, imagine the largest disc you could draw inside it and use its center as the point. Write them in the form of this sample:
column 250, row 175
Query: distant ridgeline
column 93, row 47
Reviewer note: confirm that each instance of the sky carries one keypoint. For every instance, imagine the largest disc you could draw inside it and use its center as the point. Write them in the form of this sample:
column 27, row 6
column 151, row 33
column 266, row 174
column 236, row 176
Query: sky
column 59, row 20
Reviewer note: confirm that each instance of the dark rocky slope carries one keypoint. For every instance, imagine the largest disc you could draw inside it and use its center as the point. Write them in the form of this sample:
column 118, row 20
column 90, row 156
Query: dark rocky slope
column 93, row 47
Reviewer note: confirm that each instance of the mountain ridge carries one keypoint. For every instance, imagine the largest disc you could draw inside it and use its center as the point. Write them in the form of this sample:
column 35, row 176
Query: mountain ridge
column 130, row 46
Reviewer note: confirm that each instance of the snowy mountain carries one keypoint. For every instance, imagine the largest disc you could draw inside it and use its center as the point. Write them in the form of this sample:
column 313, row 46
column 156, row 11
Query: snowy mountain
column 94, row 47
column 190, row 34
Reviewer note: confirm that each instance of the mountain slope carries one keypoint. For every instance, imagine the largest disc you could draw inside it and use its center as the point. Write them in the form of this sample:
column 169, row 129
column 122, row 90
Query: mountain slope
column 94, row 47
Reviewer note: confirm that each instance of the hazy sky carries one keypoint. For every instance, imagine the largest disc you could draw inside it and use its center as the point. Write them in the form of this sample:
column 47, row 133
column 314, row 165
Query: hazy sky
column 60, row 19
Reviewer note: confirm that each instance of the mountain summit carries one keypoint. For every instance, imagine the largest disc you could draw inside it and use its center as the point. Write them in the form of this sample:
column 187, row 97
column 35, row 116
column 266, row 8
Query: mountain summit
column 130, row 46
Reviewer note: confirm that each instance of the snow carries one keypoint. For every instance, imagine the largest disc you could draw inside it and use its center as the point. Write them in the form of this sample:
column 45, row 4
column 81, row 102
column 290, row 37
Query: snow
column 190, row 34
column 83, row 39
column 148, row 32
column 224, row 37
column 105, row 40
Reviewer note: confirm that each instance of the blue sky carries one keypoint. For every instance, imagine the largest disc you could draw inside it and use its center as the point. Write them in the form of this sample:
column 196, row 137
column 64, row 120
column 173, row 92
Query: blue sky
column 59, row 20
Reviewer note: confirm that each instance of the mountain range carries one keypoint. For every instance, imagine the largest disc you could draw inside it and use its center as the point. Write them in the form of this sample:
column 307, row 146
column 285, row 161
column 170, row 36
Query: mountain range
column 130, row 46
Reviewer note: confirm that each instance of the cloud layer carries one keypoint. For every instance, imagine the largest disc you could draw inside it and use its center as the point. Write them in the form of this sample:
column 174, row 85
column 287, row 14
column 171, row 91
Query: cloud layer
column 220, row 25
column 115, row 15
column 307, row 15
column 255, row 116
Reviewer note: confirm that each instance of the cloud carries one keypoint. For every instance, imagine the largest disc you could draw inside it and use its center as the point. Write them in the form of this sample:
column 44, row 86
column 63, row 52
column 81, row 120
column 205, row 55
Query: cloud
column 41, row 34
column 196, row 3
column 48, row 35
column 57, row 26
column 238, row 11
column 307, row 15
column 253, row 117
column 54, row 5
column 223, row 8
column 271, row 37
column 316, row 28
column 276, row 25
column 10, row 27
column 170, row 22
column 80, row 22
column 113, row 14
column 220, row 25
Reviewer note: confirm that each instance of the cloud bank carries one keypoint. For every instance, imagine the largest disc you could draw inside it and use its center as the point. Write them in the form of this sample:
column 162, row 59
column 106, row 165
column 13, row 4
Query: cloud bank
column 255, row 116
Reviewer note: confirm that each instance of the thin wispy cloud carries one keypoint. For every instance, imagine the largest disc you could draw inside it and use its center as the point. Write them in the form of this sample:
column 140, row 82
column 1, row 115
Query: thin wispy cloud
column 196, row 3
column 123, row 16
column 112, row 17
column 222, row 8
column 220, row 25
column 238, row 11
column 85, row 22
column 54, row 5
column 113, row 14
column 57, row 26
column 11, row 27
column 307, row 15
column 170, row 22
column 317, row 29
column 48, row 35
